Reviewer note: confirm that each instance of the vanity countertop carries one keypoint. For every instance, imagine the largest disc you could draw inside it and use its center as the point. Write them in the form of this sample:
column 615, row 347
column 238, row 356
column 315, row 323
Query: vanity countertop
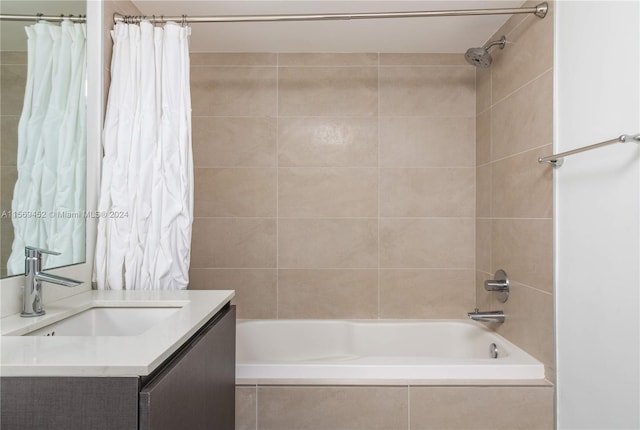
column 102, row 356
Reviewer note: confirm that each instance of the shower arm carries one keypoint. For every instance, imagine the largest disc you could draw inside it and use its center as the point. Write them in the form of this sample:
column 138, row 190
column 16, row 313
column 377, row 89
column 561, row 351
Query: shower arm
column 539, row 10
column 502, row 41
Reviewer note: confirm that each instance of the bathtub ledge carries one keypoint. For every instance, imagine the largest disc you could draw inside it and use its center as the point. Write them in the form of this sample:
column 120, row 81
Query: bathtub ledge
column 398, row 382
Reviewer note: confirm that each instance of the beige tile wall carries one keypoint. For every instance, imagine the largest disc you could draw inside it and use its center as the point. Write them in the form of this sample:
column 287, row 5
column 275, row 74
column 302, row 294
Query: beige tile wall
column 335, row 185
column 514, row 229
column 13, row 78
column 389, row 407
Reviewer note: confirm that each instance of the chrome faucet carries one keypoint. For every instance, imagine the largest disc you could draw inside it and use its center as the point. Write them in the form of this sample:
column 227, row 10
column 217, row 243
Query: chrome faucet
column 500, row 285
column 488, row 316
column 34, row 276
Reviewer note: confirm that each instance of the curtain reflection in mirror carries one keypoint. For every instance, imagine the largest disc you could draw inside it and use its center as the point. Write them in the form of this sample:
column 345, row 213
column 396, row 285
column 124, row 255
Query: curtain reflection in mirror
column 48, row 202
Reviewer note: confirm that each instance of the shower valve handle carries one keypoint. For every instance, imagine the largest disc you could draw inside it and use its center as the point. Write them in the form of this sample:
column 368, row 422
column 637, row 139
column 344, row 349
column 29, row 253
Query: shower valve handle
column 496, row 285
column 499, row 284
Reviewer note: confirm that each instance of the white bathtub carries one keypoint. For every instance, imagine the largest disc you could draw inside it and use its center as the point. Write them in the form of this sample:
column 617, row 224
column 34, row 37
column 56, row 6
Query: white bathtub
column 376, row 352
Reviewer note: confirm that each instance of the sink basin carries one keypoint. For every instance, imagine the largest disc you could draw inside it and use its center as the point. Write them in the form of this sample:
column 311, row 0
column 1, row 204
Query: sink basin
column 108, row 321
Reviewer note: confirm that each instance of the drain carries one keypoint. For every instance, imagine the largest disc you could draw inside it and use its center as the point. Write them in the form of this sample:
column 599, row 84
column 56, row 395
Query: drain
column 493, row 350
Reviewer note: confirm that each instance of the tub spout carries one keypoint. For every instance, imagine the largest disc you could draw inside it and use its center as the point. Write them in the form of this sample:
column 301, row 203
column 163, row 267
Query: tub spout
column 487, row 316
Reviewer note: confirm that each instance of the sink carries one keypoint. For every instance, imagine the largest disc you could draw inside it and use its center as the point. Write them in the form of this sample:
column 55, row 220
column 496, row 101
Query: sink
column 107, row 321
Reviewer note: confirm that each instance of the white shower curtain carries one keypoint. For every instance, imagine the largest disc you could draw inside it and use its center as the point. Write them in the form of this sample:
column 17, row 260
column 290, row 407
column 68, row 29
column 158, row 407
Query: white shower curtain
column 48, row 199
column 146, row 200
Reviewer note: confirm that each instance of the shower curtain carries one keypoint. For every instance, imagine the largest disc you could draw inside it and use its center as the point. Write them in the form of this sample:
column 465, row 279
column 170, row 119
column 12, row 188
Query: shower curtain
column 47, row 208
column 146, row 198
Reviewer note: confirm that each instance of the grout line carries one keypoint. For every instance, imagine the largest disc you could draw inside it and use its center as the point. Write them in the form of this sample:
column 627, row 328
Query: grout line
column 379, row 181
column 273, row 117
column 236, row 66
column 537, row 148
column 409, row 407
column 340, row 116
column 484, row 111
column 374, row 167
column 516, row 218
column 346, row 167
column 389, row 116
column 234, row 268
column 257, row 406
column 475, row 189
column 332, row 66
column 491, row 119
column 236, row 116
column 463, row 66
column 462, row 269
column 548, row 293
column 277, row 190
column 236, row 167
column 381, row 167
column 334, row 218
column 235, row 217
column 520, row 87
column 522, row 21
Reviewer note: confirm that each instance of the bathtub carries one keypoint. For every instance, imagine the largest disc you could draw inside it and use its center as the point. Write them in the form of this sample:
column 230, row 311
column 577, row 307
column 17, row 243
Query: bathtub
column 299, row 352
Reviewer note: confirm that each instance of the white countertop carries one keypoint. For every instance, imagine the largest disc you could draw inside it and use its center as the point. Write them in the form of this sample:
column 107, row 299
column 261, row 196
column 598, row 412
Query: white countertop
column 105, row 355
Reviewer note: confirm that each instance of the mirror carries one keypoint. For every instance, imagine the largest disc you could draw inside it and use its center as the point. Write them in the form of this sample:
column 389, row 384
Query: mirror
column 42, row 134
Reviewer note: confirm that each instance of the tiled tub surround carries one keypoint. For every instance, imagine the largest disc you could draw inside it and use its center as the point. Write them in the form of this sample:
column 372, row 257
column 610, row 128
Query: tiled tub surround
column 514, row 228
column 436, row 407
column 343, row 186
column 308, row 389
column 335, row 186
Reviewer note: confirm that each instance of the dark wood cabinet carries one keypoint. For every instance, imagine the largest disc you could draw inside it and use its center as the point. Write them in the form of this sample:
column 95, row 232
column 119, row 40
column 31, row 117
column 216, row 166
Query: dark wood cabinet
column 196, row 390
column 69, row 403
column 193, row 389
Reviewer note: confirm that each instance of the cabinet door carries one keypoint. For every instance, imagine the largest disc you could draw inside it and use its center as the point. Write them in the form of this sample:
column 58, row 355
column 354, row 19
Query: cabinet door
column 196, row 389
column 68, row 403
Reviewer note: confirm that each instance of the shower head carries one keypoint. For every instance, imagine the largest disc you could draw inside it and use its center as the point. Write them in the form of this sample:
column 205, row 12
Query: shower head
column 480, row 57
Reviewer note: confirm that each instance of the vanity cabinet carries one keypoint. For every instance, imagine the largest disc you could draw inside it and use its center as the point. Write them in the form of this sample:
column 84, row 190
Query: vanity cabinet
column 193, row 389
column 196, row 390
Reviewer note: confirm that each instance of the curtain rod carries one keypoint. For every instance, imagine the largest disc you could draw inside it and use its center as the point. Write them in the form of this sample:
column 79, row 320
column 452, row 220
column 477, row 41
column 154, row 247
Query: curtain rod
column 556, row 160
column 39, row 16
column 539, row 10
